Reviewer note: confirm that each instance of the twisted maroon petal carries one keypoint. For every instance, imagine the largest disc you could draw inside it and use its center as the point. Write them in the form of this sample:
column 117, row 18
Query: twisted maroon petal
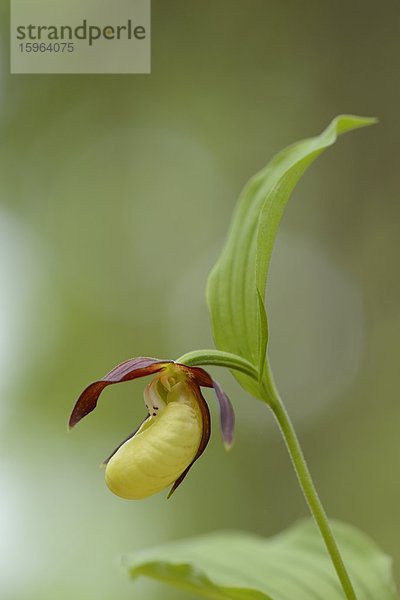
column 227, row 415
column 201, row 377
column 206, row 432
column 129, row 369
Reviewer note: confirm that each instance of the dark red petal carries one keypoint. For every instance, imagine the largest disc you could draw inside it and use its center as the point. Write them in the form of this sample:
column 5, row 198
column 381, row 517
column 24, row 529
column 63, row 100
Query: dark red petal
column 130, row 369
column 200, row 376
column 205, row 414
column 227, row 415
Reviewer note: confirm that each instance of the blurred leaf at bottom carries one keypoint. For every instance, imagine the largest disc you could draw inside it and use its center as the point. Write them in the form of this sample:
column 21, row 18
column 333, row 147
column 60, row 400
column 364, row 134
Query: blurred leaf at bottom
column 293, row 565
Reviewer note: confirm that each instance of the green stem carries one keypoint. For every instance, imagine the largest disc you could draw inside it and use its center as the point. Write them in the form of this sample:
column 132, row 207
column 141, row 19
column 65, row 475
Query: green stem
column 218, row 358
column 308, row 487
column 272, row 398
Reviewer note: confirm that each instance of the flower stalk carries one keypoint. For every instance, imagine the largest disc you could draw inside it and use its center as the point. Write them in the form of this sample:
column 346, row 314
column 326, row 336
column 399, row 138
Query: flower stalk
column 309, row 491
column 218, row 358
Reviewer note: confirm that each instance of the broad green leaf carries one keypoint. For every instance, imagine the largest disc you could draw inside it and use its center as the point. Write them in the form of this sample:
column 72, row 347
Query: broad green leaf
column 239, row 278
column 294, row 565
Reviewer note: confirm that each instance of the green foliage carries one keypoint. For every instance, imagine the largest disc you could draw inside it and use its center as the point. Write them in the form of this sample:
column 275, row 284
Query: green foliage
column 299, row 564
column 294, row 565
column 237, row 283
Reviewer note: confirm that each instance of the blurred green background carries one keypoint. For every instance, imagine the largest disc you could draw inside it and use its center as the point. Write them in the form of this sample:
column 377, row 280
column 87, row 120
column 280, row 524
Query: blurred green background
column 116, row 193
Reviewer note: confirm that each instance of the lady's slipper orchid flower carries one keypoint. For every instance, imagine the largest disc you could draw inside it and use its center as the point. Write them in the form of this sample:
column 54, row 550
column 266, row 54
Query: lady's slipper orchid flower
column 173, row 435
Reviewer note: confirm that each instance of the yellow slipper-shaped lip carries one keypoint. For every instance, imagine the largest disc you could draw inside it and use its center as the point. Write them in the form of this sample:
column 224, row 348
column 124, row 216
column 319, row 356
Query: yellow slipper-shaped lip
column 175, row 433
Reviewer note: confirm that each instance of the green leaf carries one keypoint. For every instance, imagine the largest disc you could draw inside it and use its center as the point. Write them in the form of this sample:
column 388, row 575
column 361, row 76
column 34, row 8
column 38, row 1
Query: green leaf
column 239, row 277
column 294, row 565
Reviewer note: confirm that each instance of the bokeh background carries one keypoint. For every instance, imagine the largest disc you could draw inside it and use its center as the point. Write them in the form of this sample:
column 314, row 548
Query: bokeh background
column 115, row 197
